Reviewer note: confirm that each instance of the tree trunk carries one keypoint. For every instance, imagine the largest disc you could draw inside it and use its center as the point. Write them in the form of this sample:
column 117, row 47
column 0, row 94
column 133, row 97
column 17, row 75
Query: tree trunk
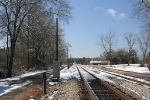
column 128, row 62
column 9, row 73
column 10, row 65
column 129, row 59
column 142, row 62
column 110, row 61
column 110, row 58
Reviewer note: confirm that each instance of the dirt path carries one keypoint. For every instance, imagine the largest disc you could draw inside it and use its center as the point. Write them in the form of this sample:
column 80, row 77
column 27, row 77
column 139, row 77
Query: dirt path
column 24, row 93
column 33, row 90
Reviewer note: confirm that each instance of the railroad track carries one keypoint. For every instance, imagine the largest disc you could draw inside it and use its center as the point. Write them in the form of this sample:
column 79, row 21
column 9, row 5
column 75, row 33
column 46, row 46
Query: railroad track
column 144, row 76
column 121, row 74
column 95, row 89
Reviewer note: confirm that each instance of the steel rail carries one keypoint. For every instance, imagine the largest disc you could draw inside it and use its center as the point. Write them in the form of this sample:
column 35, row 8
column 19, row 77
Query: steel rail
column 145, row 83
column 135, row 74
column 90, row 91
column 115, row 90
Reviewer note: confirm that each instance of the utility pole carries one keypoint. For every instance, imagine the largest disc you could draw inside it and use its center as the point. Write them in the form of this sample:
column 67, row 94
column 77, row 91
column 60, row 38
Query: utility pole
column 56, row 63
column 7, row 52
column 67, row 59
column 56, row 39
column 70, row 61
column 28, row 51
column 28, row 42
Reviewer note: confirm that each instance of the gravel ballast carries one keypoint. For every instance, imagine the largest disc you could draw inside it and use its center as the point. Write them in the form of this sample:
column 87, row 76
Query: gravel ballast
column 63, row 91
column 136, row 90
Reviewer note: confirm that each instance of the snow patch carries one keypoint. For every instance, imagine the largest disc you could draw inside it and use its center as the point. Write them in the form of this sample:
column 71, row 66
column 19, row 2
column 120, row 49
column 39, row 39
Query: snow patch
column 52, row 96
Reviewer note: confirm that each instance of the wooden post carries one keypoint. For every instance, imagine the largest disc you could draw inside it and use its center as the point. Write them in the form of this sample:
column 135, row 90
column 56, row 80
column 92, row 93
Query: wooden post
column 44, row 76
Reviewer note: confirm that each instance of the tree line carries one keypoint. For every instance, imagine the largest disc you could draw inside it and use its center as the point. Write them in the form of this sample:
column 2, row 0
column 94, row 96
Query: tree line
column 30, row 27
column 141, row 12
column 129, row 55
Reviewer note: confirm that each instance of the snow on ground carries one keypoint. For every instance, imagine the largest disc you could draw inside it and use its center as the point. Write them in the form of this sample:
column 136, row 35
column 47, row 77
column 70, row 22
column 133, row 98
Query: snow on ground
column 67, row 74
column 132, row 67
column 143, row 88
column 4, row 83
column 54, row 93
column 6, row 88
column 125, row 67
column 103, row 76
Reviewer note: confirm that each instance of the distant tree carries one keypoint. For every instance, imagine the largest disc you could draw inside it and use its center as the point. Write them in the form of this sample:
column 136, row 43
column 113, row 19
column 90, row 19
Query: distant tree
column 141, row 10
column 130, row 38
column 120, row 56
column 134, row 57
column 148, row 60
column 144, row 44
column 107, row 42
column 84, row 60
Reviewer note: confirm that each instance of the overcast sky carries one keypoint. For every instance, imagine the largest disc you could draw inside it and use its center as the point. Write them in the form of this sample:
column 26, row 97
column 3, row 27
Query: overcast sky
column 91, row 18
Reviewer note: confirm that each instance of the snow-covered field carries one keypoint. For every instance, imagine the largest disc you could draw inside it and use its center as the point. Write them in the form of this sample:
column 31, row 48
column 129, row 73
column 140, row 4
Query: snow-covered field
column 67, row 74
column 132, row 67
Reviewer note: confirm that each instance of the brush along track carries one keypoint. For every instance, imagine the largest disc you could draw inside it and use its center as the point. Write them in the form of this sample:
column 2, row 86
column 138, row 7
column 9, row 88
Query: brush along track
column 98, row 89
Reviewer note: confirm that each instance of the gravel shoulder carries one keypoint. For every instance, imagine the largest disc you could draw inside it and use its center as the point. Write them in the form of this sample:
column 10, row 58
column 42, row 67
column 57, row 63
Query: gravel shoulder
column 63, row 91
column 137, row 90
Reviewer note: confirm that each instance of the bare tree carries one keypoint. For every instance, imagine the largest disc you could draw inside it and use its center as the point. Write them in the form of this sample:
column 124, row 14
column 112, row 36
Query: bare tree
column 130, row 38
column 141, row 10
column 12, row 15
column 144, row 43
column 107, row 42
column 14, row 18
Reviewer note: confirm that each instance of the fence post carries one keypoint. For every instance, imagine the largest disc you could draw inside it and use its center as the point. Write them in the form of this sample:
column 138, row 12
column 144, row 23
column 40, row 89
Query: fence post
column 44, row 76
